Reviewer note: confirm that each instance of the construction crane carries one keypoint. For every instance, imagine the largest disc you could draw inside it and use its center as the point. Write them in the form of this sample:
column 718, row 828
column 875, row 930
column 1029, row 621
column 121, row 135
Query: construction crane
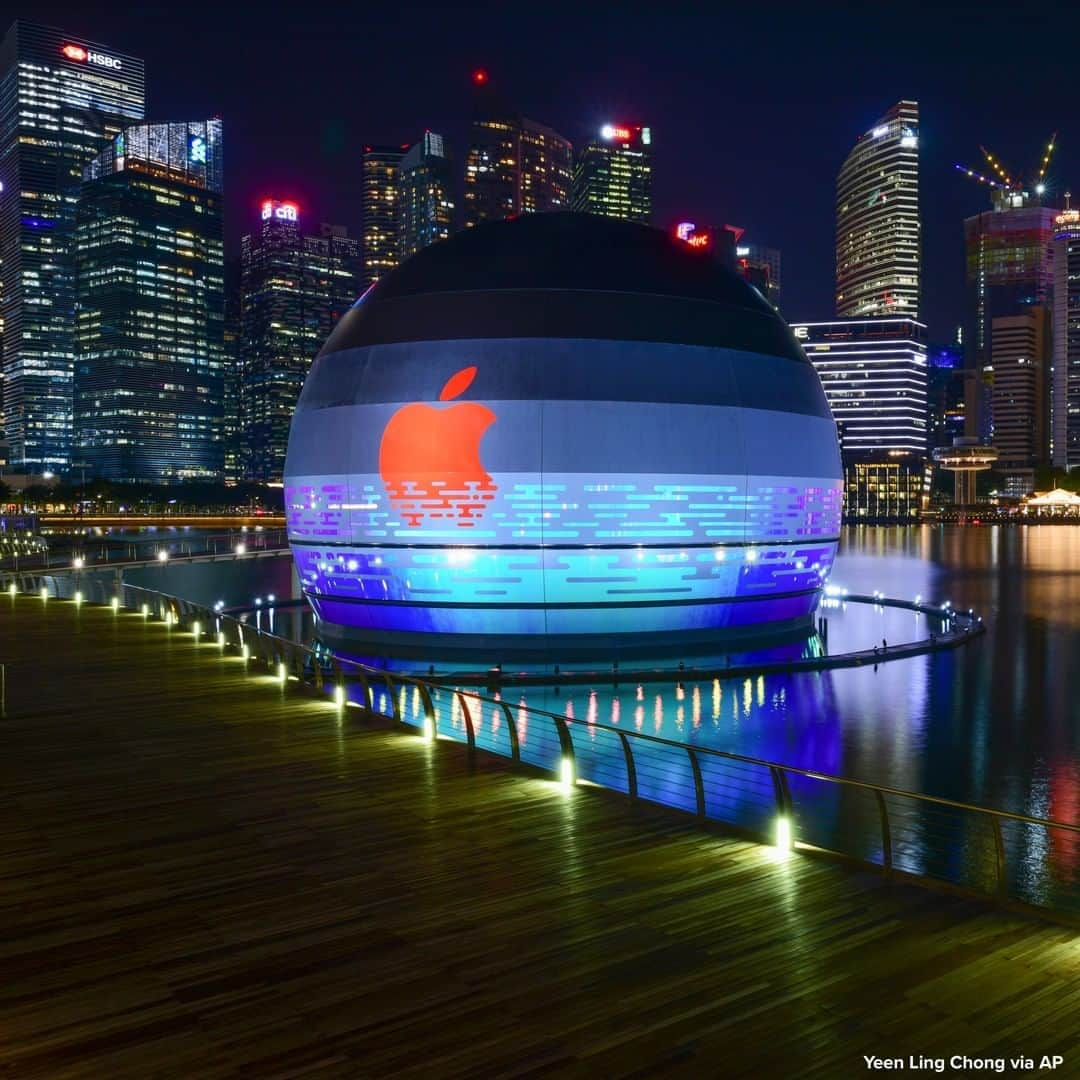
column 1006, row 181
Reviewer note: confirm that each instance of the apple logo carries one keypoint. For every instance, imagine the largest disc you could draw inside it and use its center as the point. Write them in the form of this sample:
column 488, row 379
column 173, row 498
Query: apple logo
column 429, row 458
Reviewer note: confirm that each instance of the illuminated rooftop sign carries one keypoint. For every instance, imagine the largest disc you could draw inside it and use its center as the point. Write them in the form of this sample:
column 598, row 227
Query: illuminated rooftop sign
column 691, row 236
column 83, row 55
column 285, row 211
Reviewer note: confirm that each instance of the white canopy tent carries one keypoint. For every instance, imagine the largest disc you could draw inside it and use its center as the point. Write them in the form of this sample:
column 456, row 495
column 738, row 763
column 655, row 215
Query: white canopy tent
column 1058, row 499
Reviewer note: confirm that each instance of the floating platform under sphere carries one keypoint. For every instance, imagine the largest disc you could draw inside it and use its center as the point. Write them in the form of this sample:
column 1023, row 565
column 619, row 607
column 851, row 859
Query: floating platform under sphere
column 562, row 432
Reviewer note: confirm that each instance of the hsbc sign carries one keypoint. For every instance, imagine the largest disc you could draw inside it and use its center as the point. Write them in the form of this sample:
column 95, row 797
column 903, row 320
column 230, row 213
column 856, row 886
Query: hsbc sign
column 82, row 55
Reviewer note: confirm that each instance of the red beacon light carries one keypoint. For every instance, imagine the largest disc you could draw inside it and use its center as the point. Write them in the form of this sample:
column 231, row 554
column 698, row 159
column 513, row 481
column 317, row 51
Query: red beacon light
column 479, row 77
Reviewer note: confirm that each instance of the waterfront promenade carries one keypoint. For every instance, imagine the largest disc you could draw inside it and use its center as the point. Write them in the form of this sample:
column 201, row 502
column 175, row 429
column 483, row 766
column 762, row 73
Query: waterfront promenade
column 205, row 874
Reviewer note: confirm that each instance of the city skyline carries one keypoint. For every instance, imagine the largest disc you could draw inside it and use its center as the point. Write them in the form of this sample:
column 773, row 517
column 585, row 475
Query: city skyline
column 300, row 126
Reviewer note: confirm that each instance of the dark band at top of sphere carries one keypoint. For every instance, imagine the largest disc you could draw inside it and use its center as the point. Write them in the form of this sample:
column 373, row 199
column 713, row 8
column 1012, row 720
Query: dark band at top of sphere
column 569, row 276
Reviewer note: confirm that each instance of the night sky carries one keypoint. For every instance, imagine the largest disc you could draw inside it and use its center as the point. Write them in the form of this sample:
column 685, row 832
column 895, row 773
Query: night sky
column 752, row 113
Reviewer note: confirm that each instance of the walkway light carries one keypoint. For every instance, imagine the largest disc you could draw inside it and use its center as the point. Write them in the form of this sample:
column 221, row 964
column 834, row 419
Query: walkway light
column 12, row 590
column 566, row 772
column 78, row 596
column 196, row 630
column 339, row 696
column 145, row 610
column 281, row 671
column 245, row 652
column 115, row 603
column 77, row 562
column 221, row 639
column 427, row 731
column 44, row 592
column 241, row 548
column 162, row 555
column 783, row 833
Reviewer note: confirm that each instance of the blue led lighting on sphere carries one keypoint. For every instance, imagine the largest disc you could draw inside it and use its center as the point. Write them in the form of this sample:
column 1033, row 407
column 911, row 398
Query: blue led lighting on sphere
column 562, row 431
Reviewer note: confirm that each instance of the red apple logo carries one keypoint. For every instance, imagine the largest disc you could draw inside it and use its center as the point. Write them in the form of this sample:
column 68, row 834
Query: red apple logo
column 429, row 458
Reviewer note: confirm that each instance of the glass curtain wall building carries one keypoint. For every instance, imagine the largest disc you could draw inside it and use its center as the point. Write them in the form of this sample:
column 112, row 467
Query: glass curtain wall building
column 62, row 100
column 1066, row 337
column 613, row 174
column 150, row 316
column 294, row 289
column 515, row 166
column 379, row 205
column 877, row 219
column 873, row 372
column 1009, row 269
column 426, row 209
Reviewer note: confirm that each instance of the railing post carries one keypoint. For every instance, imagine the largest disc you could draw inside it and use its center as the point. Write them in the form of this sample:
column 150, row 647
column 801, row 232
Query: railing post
column 999, row 856
column 429, row 711
column 365, row 688
column 512, row 731
column 886, row 834
column 631, row 768
column 393, row 700
column 780, row 786
column 699, row 783
column 470, row 732
column 567, row 745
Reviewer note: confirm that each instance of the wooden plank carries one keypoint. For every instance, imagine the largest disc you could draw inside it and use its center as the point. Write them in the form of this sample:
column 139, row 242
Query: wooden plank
column 203, row 874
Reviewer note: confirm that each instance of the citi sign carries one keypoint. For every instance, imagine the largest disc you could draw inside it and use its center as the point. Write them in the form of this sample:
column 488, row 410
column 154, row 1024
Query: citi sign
column 281, row 211
column 88, row 56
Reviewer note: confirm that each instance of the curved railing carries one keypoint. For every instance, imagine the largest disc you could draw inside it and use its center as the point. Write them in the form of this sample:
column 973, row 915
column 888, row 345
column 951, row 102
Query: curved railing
column 1009, row 856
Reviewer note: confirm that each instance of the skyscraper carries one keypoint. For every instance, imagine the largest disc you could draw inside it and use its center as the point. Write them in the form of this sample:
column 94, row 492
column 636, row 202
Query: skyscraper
column 426, row 210
column 1019, row 398
column 62, row 100
column 1009, row 269
column 379, row 205
column 1065, row 402
column 514, row 166
column 150, row 317
column 873, row 372
column 613, row 174
column 878, row 246
column 294, row 289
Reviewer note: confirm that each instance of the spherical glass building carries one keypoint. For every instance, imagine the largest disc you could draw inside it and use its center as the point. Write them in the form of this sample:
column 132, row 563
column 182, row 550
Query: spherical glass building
column 562, row 432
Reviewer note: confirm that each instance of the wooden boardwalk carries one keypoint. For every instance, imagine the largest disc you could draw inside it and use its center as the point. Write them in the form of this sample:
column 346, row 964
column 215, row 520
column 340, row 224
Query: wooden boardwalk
column 203, row 875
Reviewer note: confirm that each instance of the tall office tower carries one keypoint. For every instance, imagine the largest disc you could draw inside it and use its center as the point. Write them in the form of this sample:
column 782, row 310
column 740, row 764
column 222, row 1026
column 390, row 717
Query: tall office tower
column 878, row 243
column 379, row 205
column 150, row 312
column 294, row 288
column 514, row 166
column 62, row 100
column 613, row 174
column 945, row 395
column 873, row 372
column 1009, row 269
column 231, row 380
column 1065, row 388
column 1019, row 399
column 425, row 195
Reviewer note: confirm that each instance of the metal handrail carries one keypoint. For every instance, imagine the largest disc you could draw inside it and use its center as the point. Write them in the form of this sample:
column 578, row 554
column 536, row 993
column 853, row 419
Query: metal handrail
column 342, row 667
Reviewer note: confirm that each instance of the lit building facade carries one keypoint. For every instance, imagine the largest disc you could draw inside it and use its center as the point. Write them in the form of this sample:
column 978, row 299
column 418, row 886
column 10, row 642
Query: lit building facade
column 1065, row 389
column 294, row 289
column 1019, row 345
column 1009, row 269
column 874, row 373
column 613, row 174
column 878, row 241
column 514, row 166
column 760, row 266
column 62, row 101
column 426, row 207
column 945, row 391
column 150, row 312
column 381, row 168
